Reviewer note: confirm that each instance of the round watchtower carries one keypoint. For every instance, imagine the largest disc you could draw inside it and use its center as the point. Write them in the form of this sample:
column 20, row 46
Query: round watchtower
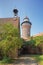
column 26, row 27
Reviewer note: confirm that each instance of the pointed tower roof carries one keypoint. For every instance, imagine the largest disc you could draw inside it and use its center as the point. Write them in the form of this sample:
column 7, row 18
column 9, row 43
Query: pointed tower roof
column 26, row 20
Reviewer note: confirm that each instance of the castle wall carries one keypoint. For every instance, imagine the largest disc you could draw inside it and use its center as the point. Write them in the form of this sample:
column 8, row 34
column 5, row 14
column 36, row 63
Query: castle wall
column 14, row 21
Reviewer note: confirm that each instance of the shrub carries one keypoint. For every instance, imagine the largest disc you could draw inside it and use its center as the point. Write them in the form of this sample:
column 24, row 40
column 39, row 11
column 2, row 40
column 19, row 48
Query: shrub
column 10, row 42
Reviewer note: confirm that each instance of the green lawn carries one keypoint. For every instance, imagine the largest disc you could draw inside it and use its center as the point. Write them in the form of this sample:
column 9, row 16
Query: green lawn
column 39, row 59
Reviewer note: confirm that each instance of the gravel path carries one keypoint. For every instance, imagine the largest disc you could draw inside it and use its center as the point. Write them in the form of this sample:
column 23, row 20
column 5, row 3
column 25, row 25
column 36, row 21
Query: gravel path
column 24, row 60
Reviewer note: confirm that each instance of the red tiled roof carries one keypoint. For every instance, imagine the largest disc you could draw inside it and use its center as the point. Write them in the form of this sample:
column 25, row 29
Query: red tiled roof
column 39, row 34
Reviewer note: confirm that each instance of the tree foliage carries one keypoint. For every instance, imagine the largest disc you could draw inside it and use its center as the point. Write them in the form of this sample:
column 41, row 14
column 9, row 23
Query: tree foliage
column 38, row 40
column 9, row 39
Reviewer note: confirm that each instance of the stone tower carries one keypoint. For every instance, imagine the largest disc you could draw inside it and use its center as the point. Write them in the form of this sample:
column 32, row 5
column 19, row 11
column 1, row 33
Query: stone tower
column 26, row 27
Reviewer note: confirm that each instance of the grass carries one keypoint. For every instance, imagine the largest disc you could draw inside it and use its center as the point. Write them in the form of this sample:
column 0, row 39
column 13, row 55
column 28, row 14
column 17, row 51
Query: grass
column 39, row 59
column 6, row 60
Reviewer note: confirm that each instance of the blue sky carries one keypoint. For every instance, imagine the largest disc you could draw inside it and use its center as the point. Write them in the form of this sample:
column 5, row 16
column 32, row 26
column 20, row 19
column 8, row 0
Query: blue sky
column 31, row 8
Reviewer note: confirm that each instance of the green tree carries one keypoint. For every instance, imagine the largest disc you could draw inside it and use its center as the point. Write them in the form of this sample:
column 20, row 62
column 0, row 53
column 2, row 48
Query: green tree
column 11, row 41
column 8, row 29
column 38, row 40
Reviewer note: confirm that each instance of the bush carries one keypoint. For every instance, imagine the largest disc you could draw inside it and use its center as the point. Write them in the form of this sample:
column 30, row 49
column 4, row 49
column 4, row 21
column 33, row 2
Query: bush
column 6, row 60
column 10, row 42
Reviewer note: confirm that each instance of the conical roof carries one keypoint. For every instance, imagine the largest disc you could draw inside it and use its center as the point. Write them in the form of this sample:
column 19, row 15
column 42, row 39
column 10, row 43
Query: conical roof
column 26, row 20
